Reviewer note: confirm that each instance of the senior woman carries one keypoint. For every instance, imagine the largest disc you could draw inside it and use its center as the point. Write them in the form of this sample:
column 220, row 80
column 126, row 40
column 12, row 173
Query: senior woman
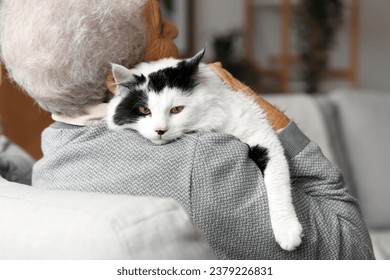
column 60, row 52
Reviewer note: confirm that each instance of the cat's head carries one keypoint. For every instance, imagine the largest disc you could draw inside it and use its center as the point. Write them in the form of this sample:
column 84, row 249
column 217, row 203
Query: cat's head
column 156, row 99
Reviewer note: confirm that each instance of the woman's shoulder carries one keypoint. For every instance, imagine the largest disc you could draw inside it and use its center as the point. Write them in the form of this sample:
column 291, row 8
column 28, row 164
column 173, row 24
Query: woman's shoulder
column 97, row 142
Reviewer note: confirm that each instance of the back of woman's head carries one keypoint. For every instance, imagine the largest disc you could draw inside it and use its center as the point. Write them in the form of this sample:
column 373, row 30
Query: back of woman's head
column 59, row 51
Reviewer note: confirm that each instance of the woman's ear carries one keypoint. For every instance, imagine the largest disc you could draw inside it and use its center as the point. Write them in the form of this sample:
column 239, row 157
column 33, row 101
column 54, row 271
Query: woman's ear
column 110, row 83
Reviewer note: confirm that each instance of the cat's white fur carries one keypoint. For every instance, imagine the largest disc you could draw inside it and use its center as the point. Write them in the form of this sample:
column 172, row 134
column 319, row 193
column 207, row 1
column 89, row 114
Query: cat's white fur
column 213, row 106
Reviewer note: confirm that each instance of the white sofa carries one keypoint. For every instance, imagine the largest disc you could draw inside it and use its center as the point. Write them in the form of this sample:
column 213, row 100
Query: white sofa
column 352, row 127
column 42, row 224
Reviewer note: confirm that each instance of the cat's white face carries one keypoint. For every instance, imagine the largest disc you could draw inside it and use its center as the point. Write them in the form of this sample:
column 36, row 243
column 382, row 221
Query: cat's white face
column 167, row 116
column 156, row 99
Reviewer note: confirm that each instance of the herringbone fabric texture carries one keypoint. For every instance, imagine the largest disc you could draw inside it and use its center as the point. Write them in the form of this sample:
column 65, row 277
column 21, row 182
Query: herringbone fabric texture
column 215, row 181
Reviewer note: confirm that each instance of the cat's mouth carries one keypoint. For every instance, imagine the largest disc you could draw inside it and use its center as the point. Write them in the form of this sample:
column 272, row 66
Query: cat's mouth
column 164, row 138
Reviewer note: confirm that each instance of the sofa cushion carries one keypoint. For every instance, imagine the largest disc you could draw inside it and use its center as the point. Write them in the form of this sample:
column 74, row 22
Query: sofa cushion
column 305, row 111
column 364, row 118
column 42, row 224
column 381, row 243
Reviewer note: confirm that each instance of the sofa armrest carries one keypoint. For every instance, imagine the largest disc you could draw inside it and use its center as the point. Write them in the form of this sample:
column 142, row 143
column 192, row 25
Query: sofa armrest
column 43, row 224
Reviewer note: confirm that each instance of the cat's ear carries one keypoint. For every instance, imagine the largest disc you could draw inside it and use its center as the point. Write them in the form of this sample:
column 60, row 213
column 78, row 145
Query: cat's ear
column 194, row 61
column 190, row 66
column 123, row 75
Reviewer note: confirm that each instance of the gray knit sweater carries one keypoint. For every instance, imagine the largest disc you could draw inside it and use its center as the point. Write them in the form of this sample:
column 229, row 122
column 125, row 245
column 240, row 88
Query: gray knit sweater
column 220, row 187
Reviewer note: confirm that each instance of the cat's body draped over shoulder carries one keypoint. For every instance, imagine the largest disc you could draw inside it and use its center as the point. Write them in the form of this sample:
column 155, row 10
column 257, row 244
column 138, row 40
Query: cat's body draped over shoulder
column 166, row 99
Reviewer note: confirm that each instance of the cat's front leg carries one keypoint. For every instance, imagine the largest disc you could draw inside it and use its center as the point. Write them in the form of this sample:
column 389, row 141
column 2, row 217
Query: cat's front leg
column 284, row 221
column 285, row 224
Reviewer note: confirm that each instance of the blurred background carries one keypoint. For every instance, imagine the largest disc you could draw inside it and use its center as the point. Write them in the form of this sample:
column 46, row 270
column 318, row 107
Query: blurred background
column 326, row 63
column 275, row 46
column 288, row 43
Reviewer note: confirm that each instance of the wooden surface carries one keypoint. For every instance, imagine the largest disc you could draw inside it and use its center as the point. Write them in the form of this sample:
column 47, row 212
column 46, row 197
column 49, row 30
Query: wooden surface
column 22, row 120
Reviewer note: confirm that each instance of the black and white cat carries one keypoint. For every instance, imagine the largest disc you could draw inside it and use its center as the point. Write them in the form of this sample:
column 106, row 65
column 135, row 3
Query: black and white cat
column 165, row 99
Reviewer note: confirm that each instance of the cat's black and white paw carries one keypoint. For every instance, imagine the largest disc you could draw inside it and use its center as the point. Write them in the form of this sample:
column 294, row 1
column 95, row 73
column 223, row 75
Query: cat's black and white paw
column 288, row 234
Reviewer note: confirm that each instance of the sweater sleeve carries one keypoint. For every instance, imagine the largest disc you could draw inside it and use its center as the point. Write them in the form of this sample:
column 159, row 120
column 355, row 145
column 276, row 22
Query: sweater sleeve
column 229, row 202
column 317, row 182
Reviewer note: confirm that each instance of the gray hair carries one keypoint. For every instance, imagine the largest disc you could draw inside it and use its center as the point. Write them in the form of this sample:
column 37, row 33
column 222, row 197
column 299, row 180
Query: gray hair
column 59, row 51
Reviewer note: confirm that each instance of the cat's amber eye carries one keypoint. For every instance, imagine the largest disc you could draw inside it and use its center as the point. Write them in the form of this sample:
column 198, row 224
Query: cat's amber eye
column 177, row 110
column 144, row 111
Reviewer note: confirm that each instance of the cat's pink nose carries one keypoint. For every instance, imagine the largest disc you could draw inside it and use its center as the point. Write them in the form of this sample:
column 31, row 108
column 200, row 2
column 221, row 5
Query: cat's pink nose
column 160, row 131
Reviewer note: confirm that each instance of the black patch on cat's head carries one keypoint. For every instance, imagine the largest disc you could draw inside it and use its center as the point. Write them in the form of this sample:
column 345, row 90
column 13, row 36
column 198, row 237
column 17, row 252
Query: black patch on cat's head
column 127, row 110
column 139, row 80
column 182, row 76
column 260, row 156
